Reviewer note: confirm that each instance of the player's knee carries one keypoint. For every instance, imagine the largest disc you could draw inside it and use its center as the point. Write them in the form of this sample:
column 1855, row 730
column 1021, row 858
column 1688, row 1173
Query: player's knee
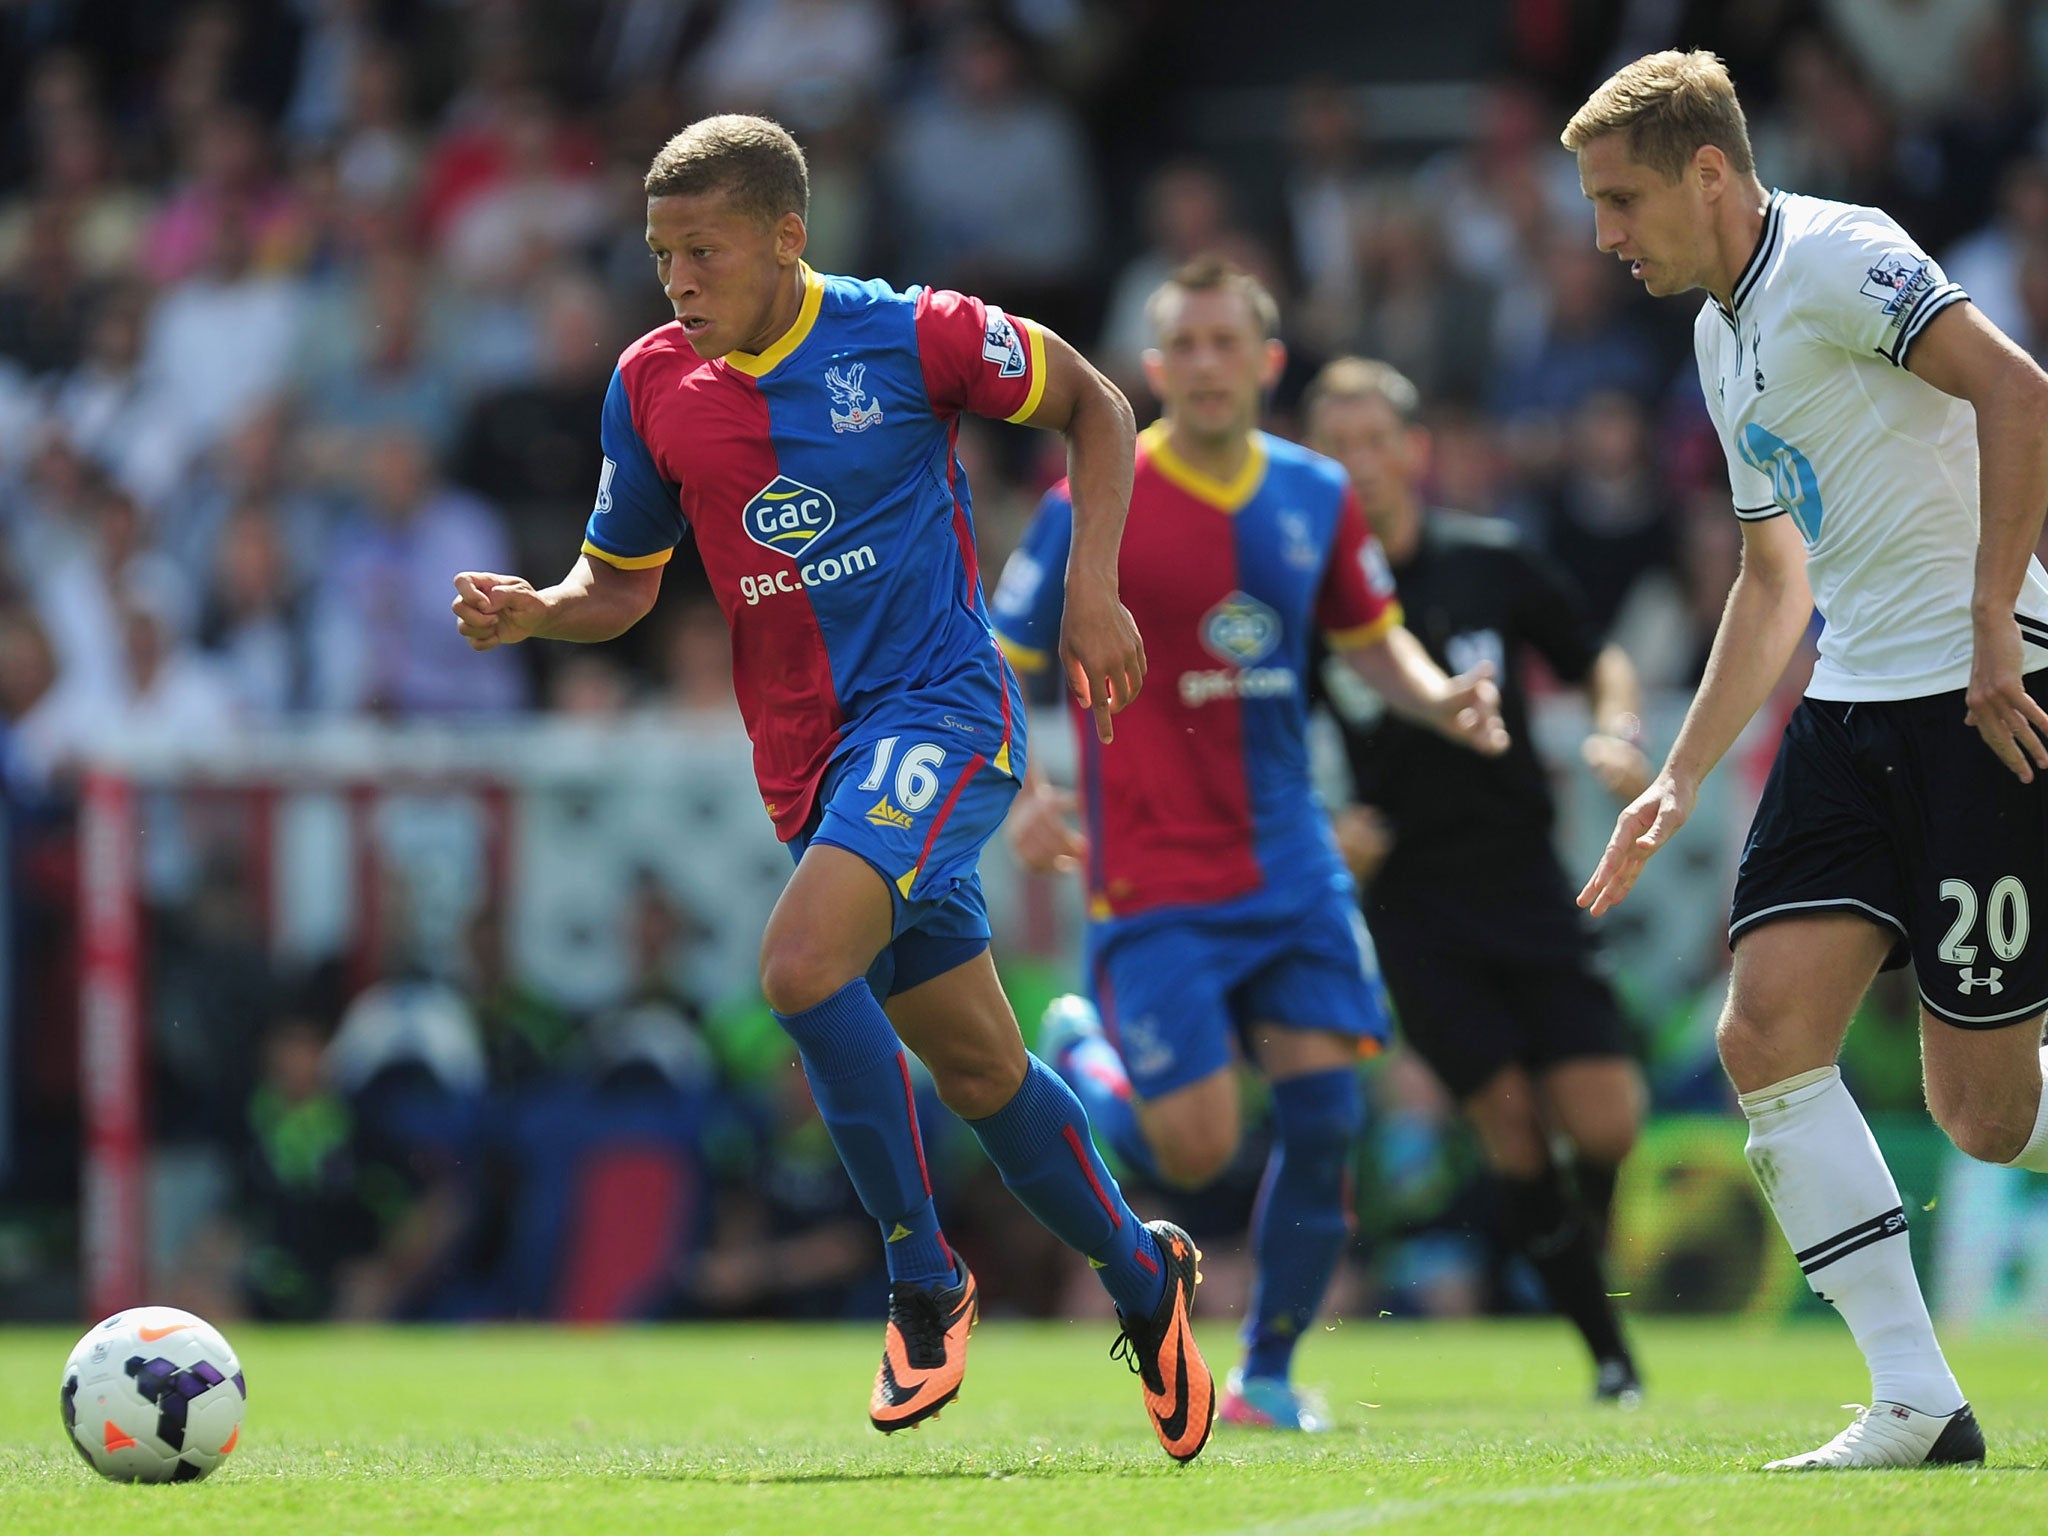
column 1514, row 1149
column 1744, row 1042
column 976, row 1087
column 1984, row 1133
column 796, row 975
column 1608, row 1142
column 1192, row 1157
column 1504, row 1117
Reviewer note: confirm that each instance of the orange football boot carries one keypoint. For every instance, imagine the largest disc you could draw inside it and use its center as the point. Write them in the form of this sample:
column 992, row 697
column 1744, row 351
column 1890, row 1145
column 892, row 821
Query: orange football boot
column 1180, row 1394
column 924, row 1351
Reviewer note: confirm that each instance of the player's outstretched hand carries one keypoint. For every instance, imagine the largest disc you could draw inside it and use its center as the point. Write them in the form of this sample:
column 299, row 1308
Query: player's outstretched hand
column 1102, row 650
column 492, row 610
column 1644, row 826
column 2012, row 724
column 1619, row 765
column 1469, row 712
column 1040, row 834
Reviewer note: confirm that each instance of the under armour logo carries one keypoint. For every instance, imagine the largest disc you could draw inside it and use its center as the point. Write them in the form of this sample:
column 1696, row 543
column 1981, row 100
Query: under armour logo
column 1970, row 981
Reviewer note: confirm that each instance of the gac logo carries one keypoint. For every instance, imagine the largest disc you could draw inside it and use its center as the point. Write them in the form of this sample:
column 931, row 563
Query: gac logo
column 1240, row 630
column 787, row 515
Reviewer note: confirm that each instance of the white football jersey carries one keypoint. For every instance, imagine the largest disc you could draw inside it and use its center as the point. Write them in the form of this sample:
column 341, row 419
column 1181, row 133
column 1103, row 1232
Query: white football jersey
column 1821, row 419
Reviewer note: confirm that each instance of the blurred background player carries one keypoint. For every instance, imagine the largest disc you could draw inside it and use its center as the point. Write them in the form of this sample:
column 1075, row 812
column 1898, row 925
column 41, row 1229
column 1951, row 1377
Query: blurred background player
column 1494, row 978
column 1885, row 449
column 786, row 419
column 1220, row 913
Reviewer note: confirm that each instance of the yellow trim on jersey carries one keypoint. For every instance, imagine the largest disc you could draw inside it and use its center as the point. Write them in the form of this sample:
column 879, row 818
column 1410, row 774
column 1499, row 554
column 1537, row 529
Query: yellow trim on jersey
column 1225, row 496
column 1035, row 339
column 1366, row 634
column 1023, row 657
column 628, row 562
column 758, row 365
column 904, row 884
column 1003, row 759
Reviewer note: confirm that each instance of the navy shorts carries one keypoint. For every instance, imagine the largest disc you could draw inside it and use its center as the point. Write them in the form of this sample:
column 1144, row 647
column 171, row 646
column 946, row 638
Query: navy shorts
column 1176, row 990
column 1898, row 812
column 917, row 798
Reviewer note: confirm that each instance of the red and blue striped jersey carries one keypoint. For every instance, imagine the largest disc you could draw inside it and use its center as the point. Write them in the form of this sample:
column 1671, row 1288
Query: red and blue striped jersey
column 1205, row 795
column 820, row 482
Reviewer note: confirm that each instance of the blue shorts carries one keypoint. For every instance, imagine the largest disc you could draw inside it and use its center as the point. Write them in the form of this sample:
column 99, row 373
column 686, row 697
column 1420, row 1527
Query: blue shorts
column 1175, row 990
column 917, row 799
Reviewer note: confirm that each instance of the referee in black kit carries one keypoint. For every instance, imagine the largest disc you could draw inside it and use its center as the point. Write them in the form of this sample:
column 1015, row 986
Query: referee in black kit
column 1494, row 979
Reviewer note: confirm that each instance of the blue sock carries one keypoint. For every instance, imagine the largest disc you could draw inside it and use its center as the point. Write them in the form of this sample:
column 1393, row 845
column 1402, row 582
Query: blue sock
column 1040, row 1144
column 1300, row 1225
column 860, row 1079
column 1092, row 1068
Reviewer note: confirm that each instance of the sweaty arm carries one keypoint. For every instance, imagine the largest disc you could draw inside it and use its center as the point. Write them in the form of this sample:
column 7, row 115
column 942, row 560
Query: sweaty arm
column 1768, row 610
column 633, row 529
column 978, row 359
column 1963, row 354
column 595, row 601
column 1100, row 646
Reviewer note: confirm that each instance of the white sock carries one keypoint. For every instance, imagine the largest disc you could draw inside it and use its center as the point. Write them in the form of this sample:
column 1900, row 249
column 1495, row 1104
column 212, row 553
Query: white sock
column 2034, row 1155
column 1840, row 1211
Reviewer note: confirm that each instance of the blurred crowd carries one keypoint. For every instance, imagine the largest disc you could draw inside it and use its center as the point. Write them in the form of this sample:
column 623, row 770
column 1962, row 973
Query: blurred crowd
column 306, row 304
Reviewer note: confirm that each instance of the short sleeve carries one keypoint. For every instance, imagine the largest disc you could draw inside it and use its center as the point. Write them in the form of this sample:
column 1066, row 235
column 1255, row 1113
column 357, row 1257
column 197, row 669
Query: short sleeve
column 1552, row 613
column 1868, row 287
column 1755, row 497
column 1032, row 594
column 1356, row 606
column 978, row 359
column 638, row 520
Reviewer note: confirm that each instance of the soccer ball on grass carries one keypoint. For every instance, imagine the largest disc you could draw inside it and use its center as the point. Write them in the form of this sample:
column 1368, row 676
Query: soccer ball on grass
column 153, row 1395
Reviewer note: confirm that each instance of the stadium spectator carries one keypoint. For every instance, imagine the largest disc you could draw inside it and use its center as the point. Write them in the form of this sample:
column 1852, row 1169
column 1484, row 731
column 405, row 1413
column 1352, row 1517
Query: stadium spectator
column 46, row 298
column 990, row 175
column 252, row 623
column 380, row 642
column 527, row 446
column 1187, row 210
column 107, row 408
column 378, row 353
column 539, row 206
column 1605, row 514
column 1916, row 55
column 378, row 146
column 223, row 338
column 810, row 64
column 229, row 190
column 1987, row 262
column 1586, row 341
column 1415, row 308
column 1335, row 196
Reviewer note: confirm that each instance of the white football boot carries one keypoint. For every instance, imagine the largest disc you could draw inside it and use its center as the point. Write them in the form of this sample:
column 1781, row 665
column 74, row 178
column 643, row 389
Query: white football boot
column 1893, row 1435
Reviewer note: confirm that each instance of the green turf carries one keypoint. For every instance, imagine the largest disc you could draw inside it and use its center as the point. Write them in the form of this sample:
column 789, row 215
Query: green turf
column 1442, row 1428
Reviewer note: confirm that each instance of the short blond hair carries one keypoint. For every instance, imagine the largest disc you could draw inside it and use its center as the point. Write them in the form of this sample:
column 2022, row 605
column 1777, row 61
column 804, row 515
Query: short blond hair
column 1362, row 378
column 753, row 160
column 1210, row 273
column 1669, row 104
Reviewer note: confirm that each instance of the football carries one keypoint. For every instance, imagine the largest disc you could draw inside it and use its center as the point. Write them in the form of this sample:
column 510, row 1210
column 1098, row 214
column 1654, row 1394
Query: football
column 153, row 1395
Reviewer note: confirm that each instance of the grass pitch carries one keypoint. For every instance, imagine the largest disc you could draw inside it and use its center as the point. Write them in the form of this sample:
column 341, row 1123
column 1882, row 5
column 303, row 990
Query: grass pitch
column 1442, row 1429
